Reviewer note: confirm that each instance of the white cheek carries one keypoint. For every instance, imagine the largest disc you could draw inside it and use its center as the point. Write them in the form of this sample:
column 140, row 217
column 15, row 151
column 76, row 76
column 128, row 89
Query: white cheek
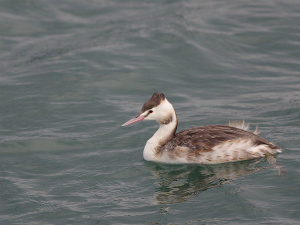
column 159, row 112
column 151, row 117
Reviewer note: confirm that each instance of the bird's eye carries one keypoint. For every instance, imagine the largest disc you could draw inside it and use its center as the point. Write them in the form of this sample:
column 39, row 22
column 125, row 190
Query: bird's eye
column 150, row 111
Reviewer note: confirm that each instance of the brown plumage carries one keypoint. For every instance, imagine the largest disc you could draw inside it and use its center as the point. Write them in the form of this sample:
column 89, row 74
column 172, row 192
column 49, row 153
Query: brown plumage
column 205, row 144
column 154, row 101
column 205, row 138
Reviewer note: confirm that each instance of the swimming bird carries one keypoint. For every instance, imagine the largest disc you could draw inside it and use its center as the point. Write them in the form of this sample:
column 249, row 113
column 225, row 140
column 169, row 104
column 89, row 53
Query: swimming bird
column 209, row 144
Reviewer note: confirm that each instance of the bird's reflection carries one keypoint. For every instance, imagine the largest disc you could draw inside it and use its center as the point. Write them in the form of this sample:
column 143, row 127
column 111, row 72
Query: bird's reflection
column 180, row 182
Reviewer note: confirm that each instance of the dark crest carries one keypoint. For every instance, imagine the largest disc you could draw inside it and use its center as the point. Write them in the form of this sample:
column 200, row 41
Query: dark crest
column 154, row 101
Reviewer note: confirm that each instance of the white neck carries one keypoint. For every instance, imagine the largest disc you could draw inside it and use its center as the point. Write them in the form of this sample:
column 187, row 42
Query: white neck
column 163, row 135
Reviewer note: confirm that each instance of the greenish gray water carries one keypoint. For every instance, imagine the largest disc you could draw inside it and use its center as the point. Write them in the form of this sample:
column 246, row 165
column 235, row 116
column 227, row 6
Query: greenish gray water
column 73, row 72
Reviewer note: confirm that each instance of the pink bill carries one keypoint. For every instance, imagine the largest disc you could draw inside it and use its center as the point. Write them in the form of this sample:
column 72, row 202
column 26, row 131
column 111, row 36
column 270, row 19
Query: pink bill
column 134, row 120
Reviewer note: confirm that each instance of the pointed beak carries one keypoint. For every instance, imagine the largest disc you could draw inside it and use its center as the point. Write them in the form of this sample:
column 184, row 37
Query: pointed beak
column 134, row 120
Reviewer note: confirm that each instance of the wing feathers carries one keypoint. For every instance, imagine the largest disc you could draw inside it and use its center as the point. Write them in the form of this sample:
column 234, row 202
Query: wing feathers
column 204, row 138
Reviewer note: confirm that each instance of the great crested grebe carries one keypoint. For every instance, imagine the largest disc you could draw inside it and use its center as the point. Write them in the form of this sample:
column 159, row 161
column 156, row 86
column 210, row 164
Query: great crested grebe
column 210, row 144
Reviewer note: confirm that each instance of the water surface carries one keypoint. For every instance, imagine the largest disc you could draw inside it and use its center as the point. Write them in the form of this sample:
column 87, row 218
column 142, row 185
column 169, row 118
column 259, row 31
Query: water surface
column 73, row 72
